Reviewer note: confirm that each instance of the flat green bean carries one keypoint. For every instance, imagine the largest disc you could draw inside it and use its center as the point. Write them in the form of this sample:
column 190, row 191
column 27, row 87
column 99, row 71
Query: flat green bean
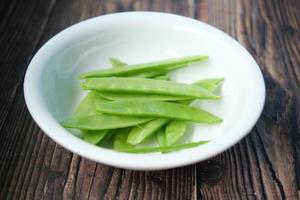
column 148, row 108
column 102, row 122
column 147, row 86
column 94, row 137
column 175, row 147
column 116, row 63
column 145, row 67
column 142, row 131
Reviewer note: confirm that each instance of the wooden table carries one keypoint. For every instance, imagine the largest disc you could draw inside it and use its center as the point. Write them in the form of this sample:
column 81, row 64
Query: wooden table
column 264, row 165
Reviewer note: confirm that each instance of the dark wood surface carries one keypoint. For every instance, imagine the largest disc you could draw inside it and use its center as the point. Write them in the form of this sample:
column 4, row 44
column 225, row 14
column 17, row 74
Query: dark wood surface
column 264, row 165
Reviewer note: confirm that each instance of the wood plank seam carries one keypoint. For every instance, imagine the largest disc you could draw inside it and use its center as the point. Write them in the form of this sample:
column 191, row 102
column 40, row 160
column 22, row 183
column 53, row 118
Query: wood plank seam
column 273, row 173
column 19, row 86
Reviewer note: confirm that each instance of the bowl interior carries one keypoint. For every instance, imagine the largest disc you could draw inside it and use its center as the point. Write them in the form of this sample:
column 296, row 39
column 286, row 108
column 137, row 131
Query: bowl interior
column 136, row 38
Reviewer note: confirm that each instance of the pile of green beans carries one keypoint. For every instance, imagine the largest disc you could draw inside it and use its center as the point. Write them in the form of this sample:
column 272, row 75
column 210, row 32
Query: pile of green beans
column 130, row 105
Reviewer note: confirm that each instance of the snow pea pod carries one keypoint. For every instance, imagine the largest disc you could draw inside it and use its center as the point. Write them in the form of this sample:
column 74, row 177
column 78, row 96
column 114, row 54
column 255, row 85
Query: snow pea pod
column 107, row 141
column 175, row 129
column 162, row 77
column 175, row 147
column 116, row 63
column 147, row 86
column 102, row 122
column 148, row 108
column 88, row 105
column 161, row 137
column 158, row 74
column 145, row 67
column 142, row 131
column 94, row 137
column 120, row 142
column 129, row 96
column 209, row 84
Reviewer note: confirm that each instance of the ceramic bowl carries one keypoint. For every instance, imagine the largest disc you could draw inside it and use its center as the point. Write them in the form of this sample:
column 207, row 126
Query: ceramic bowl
column 52, row 90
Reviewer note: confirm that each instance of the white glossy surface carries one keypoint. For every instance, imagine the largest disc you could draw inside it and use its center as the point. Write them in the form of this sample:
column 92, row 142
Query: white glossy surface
column 52, row 89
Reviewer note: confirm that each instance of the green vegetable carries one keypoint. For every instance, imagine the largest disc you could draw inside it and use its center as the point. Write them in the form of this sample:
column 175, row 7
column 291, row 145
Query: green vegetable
column 147, row 86
column 107, row 141
column 103, row 122
column 158, row 74
column 120, row 142
column 139, row 110
column 175, row 129
column 116, row 63
column 140, row 132
column 146, row 108
column 130, row 96
column 209, row 84
column 145, row 67
column 153, row 74
column 88, row 105
column 175, row 147
column 161, row 137
column 162, row 77
column 95, row 137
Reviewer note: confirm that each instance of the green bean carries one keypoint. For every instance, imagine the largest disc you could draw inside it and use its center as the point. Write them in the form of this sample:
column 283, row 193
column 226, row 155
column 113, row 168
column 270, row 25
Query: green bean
column 88, row 104
column 140, row 132
column 175, row 147
column 94, row 137
column 102, row 122
column 147, row 86
column 116, row 63
column 148, row 108
column 145, row 67
column 175, row 129
column 161, row 137
column 120, row 142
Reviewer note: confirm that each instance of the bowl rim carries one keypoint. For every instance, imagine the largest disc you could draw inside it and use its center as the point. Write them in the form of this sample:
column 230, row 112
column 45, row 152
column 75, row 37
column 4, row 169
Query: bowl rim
column 133, row 161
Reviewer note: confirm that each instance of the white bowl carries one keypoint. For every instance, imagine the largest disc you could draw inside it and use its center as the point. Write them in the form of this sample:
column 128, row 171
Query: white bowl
column 52, row 89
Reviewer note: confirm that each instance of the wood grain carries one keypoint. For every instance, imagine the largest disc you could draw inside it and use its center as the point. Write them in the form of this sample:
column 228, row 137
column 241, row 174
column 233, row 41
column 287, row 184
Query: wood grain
column 265, row 165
